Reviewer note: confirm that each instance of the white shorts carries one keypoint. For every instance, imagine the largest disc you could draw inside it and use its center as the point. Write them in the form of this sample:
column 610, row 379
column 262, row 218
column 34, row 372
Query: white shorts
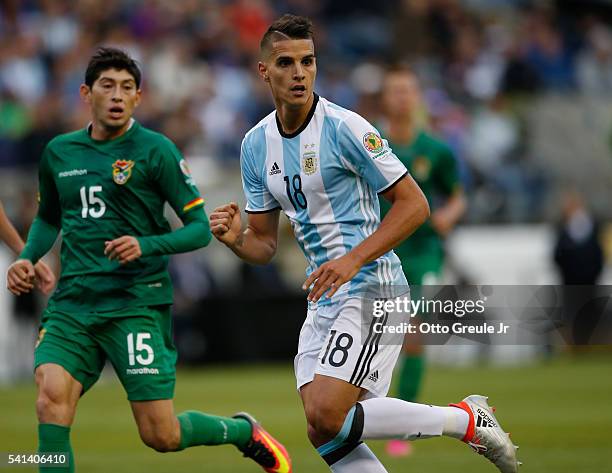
column 337, row 340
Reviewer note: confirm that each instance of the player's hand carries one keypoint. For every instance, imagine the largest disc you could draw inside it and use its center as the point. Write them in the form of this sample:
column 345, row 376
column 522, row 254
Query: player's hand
column 226, row 224
column 123, row 249
column 442, row 222
column 45, row 279
column 20, row 277
column 331, row 275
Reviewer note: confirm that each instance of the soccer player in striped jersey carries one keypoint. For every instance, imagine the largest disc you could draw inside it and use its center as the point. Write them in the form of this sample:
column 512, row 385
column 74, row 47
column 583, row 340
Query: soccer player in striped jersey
column 105, row 187
column 324, row 166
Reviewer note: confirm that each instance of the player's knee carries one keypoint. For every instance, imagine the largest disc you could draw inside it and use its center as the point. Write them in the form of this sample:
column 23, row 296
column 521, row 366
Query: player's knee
column 53, row 406
column 160, row 441
column 324, row 422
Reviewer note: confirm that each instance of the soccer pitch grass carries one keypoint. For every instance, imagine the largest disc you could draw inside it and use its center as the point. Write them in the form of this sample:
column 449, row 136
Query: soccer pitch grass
column 559, row 412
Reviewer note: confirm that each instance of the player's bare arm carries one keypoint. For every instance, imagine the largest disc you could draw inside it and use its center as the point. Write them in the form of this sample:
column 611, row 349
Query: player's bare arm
column 256, row 243
column 408, row 211
column 8, row 234
column 446, row 217
column 19, row 280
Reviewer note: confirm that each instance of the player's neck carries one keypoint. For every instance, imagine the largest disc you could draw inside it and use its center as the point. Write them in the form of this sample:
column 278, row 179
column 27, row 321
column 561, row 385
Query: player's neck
column 101, row 133
column 292, row 118
column 402, row 130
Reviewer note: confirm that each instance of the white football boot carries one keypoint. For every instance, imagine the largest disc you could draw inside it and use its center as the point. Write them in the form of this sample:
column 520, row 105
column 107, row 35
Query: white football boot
column 486, row 436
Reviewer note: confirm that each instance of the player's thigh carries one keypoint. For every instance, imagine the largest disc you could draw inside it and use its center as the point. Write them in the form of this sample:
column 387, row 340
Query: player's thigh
column 157, row 423
column 344, row 341
column 142, row 353
column 426, row 272
column 66, row 341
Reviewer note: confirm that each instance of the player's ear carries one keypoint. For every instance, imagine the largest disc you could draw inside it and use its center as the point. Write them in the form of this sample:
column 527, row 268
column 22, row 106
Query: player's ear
column 85, row 93
column 138, row 97
column 263, row 71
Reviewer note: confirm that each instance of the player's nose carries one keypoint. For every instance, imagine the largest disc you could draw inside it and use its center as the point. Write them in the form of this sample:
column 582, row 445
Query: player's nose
column 298, row 73
column 116, row 97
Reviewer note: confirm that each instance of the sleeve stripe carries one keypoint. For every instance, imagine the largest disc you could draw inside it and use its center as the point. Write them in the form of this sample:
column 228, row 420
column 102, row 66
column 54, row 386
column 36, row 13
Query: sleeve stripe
column 392, row 184
column 261, row 211
column 193, row 203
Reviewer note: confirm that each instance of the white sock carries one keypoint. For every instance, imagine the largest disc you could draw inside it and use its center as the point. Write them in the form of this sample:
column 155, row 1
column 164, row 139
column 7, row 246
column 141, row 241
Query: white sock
column 456, row 423
column 389, row 418
column 360, row 460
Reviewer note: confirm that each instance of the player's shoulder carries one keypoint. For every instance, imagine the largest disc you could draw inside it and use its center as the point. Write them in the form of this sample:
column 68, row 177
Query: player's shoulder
column 156, row 145
column 434, row 142
column 254, row 134
column 337, row 113
column 154, row 138
column 66, row 139
column 432, row 139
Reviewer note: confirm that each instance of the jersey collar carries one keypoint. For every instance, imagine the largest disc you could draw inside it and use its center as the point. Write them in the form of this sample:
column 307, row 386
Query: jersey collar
column 311, row 112
column 114, row 140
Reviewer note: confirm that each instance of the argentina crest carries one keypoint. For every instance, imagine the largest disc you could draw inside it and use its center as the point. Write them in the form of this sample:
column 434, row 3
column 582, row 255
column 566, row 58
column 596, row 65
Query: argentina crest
column 122, row 171
column 309, row 159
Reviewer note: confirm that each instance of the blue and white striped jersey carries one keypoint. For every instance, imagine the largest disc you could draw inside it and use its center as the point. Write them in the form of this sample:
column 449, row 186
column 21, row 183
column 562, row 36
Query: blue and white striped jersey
column 325, row 177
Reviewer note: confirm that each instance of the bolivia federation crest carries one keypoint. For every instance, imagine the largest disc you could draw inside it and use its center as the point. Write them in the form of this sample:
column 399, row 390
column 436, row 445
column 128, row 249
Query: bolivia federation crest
column 421, row 168
column 122, row 171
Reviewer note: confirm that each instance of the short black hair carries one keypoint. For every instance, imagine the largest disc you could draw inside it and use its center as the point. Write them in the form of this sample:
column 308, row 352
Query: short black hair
column 288, row 27
column 111, row 58
column 400, row 68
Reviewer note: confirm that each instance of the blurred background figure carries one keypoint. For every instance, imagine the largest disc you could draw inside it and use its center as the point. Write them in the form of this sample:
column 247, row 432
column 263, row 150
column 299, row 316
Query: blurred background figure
column 25, row 312
column 578, row 251
column 579, row 258
column 434, row 167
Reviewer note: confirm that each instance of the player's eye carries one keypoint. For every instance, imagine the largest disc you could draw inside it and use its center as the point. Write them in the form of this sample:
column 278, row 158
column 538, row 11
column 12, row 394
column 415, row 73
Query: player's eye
column 284, row 62
column 307, row 61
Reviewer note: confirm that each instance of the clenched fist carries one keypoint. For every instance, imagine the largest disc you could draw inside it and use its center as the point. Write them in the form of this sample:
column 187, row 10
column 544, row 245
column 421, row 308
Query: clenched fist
column 226, row 224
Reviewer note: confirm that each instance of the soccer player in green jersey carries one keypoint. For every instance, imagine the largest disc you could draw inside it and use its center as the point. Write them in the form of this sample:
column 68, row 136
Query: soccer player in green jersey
column 44, row 277
column 104, row 187
column 434, row 167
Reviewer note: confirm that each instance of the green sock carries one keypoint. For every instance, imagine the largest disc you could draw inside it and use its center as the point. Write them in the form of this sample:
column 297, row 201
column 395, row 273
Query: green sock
column 198, row 428
column 411, row 374
column 54, row 438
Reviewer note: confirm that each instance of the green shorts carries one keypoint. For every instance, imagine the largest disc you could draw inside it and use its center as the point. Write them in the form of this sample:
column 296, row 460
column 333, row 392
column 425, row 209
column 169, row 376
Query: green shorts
column 424, row 270
column 138, row 343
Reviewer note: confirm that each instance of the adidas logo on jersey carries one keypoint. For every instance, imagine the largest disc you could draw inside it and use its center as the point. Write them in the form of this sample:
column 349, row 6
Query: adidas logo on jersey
column 275, row 169
column 484, row 420
column 373, row 376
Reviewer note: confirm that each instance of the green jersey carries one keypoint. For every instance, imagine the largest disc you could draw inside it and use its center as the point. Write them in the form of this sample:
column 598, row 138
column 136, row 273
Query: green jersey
column 434, row 167
column 96, row 191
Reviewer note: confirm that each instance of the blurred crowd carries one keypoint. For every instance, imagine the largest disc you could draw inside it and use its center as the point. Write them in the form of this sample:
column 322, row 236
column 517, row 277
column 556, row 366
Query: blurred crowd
column 484, row 65
column 478, row 61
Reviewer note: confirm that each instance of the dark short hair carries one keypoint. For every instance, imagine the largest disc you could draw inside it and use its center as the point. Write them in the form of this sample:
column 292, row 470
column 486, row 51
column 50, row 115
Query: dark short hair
column 292, row 26
column 111, row 58
column 400, row 68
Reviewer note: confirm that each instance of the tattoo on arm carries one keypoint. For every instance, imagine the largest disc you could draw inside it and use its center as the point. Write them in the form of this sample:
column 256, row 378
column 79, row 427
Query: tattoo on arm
column 240, row 240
